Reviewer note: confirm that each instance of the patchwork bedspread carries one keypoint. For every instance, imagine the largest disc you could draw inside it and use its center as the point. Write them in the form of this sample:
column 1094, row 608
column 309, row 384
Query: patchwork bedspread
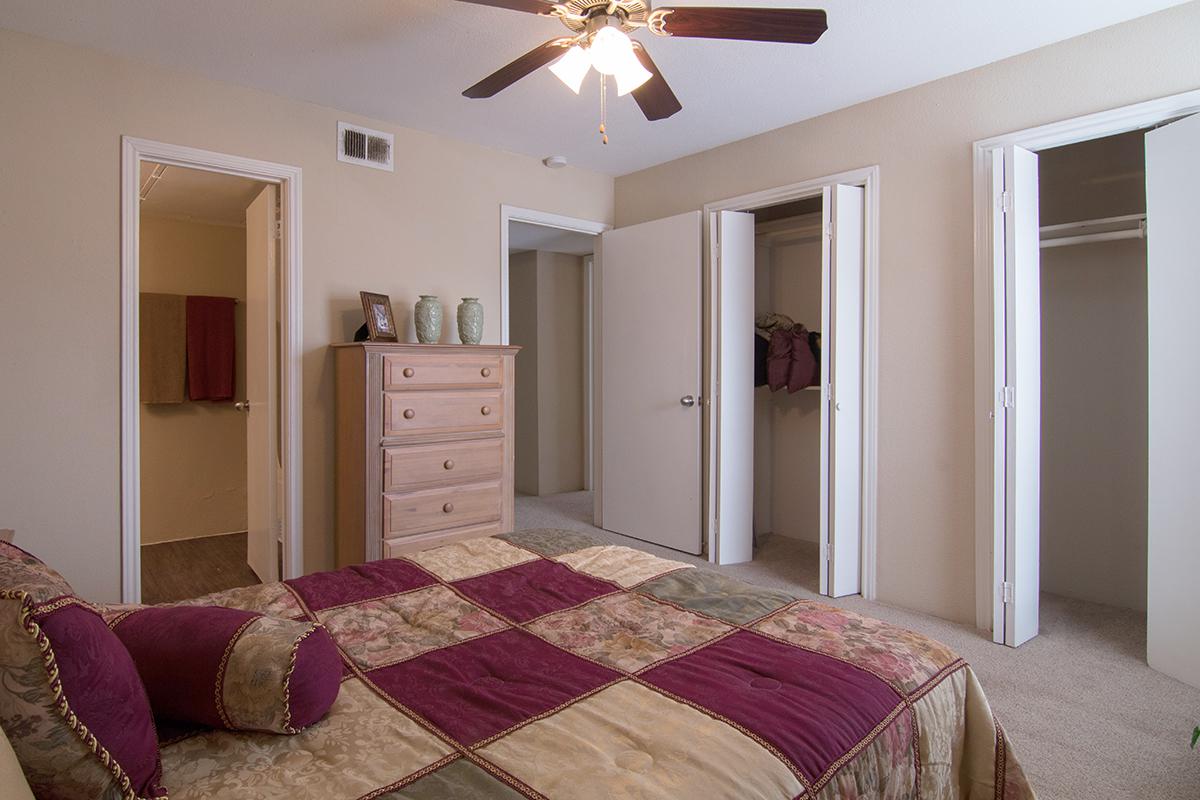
column 541, row 664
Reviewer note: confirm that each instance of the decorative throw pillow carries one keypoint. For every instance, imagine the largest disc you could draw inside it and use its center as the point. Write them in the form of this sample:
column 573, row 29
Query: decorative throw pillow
column 71, row 702
column 234, row 669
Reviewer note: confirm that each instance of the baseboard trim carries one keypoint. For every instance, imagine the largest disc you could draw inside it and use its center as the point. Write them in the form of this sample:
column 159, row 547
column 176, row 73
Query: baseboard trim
column 193, row 538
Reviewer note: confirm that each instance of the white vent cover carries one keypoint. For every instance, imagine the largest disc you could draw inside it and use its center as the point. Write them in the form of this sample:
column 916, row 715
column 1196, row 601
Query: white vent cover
column 363, row 146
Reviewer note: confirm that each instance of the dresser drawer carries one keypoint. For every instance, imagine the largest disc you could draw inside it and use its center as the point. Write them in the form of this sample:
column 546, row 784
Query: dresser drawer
column 418, row 465
column 403, row 545
column 428, row 371
column 437, row 509
column 429, row 412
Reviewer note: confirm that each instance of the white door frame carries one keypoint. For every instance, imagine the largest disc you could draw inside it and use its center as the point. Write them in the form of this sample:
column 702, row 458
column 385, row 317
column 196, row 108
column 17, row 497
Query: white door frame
column 868, row 178
column 288, row 178
column 990, row 347
column 591, row 301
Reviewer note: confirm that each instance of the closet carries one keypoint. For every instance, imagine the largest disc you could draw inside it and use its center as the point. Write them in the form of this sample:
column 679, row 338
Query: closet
column 1094, row 371
column 807, row 336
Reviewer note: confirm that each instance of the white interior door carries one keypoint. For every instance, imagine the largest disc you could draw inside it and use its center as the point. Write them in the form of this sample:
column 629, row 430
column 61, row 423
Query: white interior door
column 841, row 392
column 262, row 461
column 732, row 257
column 1173, row 284
column 649, row 366
column 1019, row 398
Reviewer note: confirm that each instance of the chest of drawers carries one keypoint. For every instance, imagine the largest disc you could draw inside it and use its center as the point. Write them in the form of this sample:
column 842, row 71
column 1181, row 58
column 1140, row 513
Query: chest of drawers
column 424, row 450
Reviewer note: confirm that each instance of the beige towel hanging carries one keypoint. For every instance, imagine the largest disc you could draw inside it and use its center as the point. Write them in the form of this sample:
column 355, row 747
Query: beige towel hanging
column 163, row 341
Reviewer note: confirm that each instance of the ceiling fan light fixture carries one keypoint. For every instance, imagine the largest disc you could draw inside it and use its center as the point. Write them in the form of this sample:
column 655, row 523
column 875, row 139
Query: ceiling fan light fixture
column 572, row 68
column 610, row 51
column 631, row 76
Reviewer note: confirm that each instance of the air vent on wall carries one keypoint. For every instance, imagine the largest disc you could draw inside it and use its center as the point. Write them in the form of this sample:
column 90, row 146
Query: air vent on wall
column 363, row 146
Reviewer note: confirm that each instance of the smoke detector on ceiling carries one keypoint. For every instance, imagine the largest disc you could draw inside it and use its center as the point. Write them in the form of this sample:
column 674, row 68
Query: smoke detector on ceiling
column 365, row 147
column 555, row 162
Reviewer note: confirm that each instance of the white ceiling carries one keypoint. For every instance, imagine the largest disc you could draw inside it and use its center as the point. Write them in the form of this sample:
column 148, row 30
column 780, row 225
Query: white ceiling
column 406, row 61
column 523, row 236
column 200, row 196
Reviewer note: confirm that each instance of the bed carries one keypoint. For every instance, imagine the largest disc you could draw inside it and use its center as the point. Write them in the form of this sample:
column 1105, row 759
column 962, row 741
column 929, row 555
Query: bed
column 545, row 664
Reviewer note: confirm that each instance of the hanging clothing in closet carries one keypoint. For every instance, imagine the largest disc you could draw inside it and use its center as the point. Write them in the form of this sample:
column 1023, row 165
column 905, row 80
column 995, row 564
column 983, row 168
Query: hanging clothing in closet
column 791, row 357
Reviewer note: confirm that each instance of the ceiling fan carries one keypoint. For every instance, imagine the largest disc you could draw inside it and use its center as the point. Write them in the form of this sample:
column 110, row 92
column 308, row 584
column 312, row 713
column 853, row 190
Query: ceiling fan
column 599, row 38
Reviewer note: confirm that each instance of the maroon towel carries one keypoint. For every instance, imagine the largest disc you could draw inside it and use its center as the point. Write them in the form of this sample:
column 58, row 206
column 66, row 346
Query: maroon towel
column 210, row 348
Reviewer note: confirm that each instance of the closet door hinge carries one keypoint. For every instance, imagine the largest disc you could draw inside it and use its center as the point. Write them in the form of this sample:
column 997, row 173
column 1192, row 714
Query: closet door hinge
column 1006, row 592
column 1006, row 202
column 828, row 230
column 1008, row 397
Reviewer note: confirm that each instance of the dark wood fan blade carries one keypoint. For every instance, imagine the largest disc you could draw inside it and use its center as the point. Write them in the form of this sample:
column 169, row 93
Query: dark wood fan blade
column 509, row 74
column 794, row 25
column 654, row 97
column 528, row 6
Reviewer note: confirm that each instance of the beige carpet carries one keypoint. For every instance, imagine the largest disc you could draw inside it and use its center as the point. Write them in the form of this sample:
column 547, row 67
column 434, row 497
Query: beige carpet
column 1089, row 720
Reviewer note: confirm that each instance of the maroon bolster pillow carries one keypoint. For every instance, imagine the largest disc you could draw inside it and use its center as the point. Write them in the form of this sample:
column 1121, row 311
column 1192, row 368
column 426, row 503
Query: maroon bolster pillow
column 233, row 669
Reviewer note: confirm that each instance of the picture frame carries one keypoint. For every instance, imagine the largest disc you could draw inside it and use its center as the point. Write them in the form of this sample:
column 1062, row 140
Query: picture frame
column 381, row 324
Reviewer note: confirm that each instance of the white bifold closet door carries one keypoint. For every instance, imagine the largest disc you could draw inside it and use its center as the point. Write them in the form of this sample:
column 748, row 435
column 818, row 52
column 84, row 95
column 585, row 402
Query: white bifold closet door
column 1173, row 284
column 648, row 359
column 841, row 392
column 731, row 255
column 262, row 415
column 1018, row 320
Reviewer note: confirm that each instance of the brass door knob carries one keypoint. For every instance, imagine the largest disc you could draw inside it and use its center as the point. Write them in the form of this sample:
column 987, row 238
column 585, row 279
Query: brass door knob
column 448, row 463
column 409, row 413
column 485, row 372
column 408, row 372
column 448, row 507
column 485, row 410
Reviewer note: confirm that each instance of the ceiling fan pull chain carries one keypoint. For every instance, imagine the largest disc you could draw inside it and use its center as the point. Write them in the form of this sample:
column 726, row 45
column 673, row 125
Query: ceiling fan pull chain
column 603, row 107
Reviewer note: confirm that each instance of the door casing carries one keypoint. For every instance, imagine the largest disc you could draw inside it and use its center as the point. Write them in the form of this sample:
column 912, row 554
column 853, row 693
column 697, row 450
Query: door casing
column 990, row 347
column 868, row 178
column 289, row 179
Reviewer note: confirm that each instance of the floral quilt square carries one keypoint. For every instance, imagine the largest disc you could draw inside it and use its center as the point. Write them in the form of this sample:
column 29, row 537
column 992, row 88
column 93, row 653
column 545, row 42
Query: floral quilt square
column 269, row 599
column 716, row 595
column 339, row 758
column 901, row 657
column 376, row 633
column 621, row 565
column 528, row 591
column 458, row 560
column 628, row 741
column 627, row 631
column 484, row 686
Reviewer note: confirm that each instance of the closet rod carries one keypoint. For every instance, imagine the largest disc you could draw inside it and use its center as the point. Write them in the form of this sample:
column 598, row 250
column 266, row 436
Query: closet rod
column 1128, row 226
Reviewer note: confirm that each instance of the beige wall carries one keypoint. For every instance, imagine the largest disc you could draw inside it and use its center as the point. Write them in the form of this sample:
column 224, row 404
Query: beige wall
column 430, row 227
column 1094, row 383
column 1094, row 445
column 523, row 331
column 792, row 470
column 921, row 139
column 194, row 454
column 546, row 319
column 560, row 373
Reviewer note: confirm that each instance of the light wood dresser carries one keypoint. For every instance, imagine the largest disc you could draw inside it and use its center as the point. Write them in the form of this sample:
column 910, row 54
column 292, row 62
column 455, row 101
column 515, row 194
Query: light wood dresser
column 424, row 446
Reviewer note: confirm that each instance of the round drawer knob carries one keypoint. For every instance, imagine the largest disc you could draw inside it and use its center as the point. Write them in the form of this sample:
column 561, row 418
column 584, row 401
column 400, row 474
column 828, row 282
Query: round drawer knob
column 485, row 410
column 448, row 463
column 448, row 507
column 409, row 413
column 485, row 372
column 408, row 372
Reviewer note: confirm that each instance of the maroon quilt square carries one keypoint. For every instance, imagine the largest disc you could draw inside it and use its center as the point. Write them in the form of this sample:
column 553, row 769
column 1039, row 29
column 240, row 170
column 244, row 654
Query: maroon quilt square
column 811, row 707
column 359, row 582
column 483, row 686
column 530, row 590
